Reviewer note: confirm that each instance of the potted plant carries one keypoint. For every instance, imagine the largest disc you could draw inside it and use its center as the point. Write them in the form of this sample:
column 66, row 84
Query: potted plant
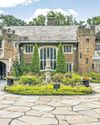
column 10, row 80
column 86, row 80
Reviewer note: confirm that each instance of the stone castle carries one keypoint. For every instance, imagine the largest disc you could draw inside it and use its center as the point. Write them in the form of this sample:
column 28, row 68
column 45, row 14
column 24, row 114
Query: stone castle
column 81, row 46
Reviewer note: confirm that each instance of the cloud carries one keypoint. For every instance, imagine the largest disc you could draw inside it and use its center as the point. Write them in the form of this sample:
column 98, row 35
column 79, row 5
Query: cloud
column 1, row 11
column 14, row 3
column 46, row 10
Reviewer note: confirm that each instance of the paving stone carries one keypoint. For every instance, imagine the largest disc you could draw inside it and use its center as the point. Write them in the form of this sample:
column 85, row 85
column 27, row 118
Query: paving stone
column 63, row 123
column 39, row 120
column 56, row 104
column 8, row 114
column 33, row 113
column 43, row 108
column 90, row 113
column 4, row 121
column 17, row 109
column 23, row 103
column 17, row 122
column 96, row 123
column 79, row 119
column 63, row 110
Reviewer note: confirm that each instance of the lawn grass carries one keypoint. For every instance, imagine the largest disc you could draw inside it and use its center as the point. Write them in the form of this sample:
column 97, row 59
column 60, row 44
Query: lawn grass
column 47, row 90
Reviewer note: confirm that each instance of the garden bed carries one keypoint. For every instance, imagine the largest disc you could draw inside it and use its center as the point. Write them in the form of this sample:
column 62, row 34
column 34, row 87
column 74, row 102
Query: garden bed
column 48, row 90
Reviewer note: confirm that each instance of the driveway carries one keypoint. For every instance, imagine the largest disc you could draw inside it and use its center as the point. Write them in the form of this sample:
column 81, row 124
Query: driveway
column 50, row 110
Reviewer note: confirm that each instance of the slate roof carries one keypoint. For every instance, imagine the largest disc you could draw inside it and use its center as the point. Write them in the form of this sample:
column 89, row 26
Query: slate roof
column 47, row 33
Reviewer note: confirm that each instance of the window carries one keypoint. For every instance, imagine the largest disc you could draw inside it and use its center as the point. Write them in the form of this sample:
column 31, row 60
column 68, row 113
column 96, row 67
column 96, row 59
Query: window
column 48, row 53
column 0, row 44
column 97, row 48
column 87, row 60
column 87, row 49
column 68, row 48
column 80, row 55
column 92, row 66
column 87, row 40
column 69, row 67
column 28, row 49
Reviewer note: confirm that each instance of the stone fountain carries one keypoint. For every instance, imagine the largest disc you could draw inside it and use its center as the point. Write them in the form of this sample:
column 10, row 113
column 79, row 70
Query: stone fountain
column 47, row 71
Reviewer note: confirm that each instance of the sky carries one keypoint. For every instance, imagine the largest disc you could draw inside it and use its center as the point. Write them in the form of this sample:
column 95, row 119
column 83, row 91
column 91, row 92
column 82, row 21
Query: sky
column 28, row 9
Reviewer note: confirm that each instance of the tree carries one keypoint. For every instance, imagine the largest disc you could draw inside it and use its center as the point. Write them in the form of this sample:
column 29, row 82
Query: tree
column 17, row 68
column 61, row 62
column 39, row 21
column 10, row 20
column 35, row 60
column 94, row 20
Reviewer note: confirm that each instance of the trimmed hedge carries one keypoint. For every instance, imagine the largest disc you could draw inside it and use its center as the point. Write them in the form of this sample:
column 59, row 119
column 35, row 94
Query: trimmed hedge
column 48, row 90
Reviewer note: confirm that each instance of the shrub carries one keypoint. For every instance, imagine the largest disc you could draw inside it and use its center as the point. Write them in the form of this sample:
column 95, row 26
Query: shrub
column 57, row 77
column 61, row 62
column 35, row 60
column 76, row 78
column 31, row 80
column 48, row 90
column 94, row 75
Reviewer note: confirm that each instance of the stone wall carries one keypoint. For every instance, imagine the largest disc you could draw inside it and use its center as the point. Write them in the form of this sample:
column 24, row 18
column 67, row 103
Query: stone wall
column 86, row 48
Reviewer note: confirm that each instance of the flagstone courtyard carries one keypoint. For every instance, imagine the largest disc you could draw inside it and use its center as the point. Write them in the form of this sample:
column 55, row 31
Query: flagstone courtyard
column 50, row 110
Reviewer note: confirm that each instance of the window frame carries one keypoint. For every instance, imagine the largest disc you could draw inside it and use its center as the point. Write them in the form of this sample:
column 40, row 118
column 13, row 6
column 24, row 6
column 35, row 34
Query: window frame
column 54, row 59
column 71, row 66
column 97, row 44
column 65, row 45
column 29, row 45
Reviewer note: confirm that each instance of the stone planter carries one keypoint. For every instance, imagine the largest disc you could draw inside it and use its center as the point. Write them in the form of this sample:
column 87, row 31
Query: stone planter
column 56, row 86
column 86, row 83
column 10, row 81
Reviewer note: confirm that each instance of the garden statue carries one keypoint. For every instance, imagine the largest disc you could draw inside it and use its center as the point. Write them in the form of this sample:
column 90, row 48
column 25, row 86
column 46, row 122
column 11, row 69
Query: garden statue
column 47, row 70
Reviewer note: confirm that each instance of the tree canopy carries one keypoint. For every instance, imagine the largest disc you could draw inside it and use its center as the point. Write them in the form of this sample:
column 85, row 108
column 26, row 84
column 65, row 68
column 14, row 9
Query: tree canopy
column 52, row 18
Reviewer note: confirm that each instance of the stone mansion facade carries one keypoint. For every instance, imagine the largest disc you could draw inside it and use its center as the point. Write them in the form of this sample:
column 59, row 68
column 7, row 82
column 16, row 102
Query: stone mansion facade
column 81, row 46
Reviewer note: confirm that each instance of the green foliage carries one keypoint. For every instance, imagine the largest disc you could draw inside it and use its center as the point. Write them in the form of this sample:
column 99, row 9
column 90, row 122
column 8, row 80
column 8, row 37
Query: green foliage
column 30, row 80
column 17, row 68
column 71, row 79
column 39, row 21
column 48, row 90
column 57, row 77
column 61, row 62
column 94, row 20
column 10, row 20
column 95, row 77
column 35, row 60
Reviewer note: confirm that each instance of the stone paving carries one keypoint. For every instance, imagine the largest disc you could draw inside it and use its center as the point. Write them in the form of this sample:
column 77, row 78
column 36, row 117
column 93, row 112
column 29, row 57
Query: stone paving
column 50, row 110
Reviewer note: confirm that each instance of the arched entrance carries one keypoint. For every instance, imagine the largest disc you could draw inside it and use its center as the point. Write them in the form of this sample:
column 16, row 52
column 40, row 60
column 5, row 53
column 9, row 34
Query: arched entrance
column 2, row 70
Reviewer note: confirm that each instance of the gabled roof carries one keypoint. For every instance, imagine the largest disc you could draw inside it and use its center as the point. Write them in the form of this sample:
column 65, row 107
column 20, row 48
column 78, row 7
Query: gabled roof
column 47, row 33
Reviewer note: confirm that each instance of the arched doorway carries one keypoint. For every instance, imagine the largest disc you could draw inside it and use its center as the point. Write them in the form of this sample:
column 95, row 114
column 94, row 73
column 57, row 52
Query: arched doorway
column 2, row 70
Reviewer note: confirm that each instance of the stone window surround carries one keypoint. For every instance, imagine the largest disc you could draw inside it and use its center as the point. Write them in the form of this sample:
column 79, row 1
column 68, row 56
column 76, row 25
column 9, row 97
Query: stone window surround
column 71, row 48
column 2, row 49
column 71, row 65
column 29, row 45
column 54, row 47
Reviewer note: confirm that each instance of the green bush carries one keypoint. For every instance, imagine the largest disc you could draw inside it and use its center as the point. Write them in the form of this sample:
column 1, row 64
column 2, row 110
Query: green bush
column 35, row 60
column 61, row 62
column 57, row 77
column 48, row 90
column 31, row 80
column 95, row 77
column 76, row 78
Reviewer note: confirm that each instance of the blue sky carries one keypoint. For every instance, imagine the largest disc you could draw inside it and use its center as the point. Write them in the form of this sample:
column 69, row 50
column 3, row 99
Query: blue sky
column 27, row 9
